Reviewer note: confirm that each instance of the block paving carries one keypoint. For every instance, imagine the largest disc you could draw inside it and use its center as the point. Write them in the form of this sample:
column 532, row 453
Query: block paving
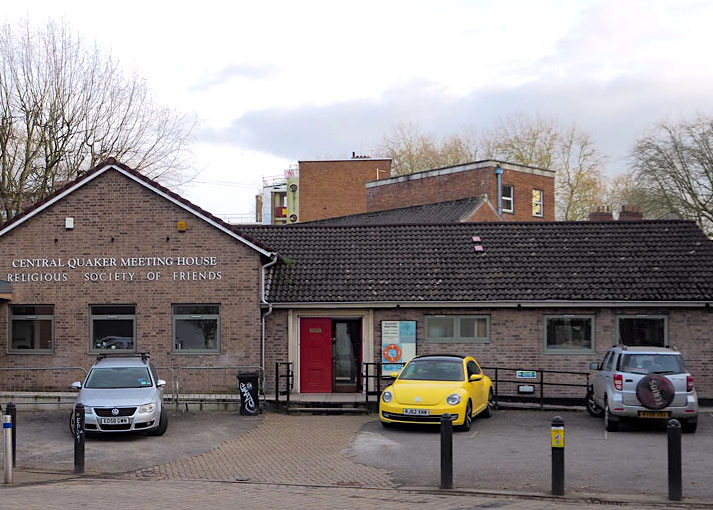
column 284, row 449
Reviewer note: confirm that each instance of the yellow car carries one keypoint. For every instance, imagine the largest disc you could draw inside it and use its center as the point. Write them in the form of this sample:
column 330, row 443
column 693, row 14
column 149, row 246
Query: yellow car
column 429, row 386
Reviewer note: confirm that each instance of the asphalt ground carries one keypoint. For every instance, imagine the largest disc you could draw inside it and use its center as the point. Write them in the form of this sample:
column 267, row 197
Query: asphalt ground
column 44, row 442
column 508, row 454
column 512, row 451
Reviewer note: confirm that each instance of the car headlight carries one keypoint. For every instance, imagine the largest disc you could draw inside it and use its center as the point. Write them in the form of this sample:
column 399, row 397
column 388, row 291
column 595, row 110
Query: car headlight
column 453, row 399
column 147, row 408
column 87, row 410
column 387, row 396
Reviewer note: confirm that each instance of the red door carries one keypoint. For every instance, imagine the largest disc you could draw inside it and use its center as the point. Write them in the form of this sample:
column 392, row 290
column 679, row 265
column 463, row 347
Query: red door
column 315, row 355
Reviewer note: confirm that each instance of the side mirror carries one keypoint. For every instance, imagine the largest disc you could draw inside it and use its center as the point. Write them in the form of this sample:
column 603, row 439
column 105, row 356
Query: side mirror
column 594, row 366
column 76, row 385
column 393, row 374
column 476, row 377
column 160, row 383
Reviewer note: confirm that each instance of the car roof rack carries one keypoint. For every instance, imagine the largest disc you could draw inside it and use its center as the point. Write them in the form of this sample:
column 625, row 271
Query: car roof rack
column 144, row 355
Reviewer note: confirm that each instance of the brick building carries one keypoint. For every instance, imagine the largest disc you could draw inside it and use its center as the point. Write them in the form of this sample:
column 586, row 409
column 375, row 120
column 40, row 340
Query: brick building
column 115, row 262
column 518, row 192
column 315, row 190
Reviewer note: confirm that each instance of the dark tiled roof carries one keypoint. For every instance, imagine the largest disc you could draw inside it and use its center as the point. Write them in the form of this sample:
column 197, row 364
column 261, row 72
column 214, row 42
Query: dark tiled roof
column 543, row 261
column 453, row 211
column 158, row 187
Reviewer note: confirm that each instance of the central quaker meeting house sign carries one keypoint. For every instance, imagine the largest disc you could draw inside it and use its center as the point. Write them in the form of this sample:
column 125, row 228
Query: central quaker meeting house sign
column 114, row 269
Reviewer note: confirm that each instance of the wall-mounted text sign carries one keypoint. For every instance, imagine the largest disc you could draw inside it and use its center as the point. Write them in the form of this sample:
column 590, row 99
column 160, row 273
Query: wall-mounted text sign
column 114, row 269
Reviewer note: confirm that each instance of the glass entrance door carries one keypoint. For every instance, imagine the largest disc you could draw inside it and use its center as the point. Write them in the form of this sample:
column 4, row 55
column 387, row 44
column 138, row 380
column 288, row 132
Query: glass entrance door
column 347, row 355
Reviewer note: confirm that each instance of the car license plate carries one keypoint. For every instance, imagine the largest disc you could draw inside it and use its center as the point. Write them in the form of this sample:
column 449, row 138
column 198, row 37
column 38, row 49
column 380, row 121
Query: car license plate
column 114, row 421
column 654, row 414
column 417, row 412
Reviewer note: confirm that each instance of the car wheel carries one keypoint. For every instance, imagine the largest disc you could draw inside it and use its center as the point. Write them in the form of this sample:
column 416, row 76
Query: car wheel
column 490, row 408
column 71, row 423
column 611, row 424
column 162, row 424
column 689, row 426
column 468, row 420
column 592, row 407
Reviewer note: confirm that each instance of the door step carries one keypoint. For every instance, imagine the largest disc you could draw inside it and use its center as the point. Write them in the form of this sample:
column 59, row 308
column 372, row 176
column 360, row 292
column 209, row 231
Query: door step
column 327, row 410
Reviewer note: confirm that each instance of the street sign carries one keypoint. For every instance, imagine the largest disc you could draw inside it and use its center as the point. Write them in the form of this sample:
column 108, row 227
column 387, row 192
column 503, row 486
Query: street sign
column 526, row 374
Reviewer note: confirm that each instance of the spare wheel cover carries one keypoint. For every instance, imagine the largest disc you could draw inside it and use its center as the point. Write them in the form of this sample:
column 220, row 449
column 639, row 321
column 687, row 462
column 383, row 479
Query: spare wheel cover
column 655, row 391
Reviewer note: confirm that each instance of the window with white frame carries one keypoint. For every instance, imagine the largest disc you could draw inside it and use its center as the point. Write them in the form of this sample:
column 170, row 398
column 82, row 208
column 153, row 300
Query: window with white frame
column 508, row 198
column 457, row 328
column 31, row 329
column 569, row 333
column 112, row 328
column 537, row 201
column 196, row 328
column 642, row 330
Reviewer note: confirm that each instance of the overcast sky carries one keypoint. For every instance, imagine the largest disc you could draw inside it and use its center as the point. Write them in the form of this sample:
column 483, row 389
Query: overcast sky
column 274, row 82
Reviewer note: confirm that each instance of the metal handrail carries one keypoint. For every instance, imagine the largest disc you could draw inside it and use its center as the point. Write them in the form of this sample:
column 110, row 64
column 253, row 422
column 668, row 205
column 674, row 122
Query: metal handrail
column 41, row 369
column 289, row 383
column 377, row 377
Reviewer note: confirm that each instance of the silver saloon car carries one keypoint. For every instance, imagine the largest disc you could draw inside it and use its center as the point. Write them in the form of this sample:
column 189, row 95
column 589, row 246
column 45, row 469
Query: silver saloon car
column 122, row 393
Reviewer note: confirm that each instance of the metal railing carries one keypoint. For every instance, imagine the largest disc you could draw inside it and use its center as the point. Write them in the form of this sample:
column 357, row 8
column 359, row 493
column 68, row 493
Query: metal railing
column 543, row 378
column 38, row 380
column 539, row 381
column 374, row 372
column 223, row 387
column 184, row 384
column 284, row 370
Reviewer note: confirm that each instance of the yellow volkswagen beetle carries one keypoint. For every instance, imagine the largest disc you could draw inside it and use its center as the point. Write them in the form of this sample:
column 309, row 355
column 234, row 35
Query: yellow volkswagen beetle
column 429, row 386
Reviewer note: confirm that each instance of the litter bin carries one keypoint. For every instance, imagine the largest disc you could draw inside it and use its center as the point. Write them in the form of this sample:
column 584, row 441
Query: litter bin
column 248, row 387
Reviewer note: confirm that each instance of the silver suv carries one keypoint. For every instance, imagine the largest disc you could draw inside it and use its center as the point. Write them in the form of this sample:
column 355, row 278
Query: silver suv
column 122, row 393
column 643, row 382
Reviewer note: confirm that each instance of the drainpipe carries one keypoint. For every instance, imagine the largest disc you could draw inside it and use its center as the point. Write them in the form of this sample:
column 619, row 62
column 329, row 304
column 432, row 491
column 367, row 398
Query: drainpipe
column 263, row 301
column 499, row 173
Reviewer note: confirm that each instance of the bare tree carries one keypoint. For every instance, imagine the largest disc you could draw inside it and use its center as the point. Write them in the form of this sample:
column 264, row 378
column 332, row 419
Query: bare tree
column 65, row 106
column 539, row 141
column 673, row 166
column 411, row 150
column 527, row 140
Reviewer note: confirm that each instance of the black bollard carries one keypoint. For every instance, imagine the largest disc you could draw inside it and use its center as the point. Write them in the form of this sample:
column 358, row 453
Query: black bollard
column 557, row 437
column 446, row 451
column 79, row 438
column 12, row 411
column 675, row 490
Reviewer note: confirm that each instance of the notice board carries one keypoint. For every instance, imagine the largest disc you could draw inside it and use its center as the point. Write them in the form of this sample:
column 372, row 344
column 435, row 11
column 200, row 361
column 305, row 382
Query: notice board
column 398, row 344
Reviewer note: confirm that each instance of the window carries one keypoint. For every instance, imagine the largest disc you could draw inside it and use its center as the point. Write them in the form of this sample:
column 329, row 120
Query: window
column 31, row 329
column 457, row 328
column 113, row 327
column 569, row 333
column 643, row 330
column 537, row 199
column 508, row 201
column 196, row 328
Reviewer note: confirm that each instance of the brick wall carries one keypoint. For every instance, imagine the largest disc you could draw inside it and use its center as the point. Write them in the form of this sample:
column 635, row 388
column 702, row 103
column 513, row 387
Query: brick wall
column 517, row 340
column 463, row 184
column 523, row 184
column 337, row 188
column 116, row 217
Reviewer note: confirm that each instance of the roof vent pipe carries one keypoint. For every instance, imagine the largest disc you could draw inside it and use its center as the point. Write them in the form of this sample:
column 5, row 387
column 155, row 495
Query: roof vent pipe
column 499, row 173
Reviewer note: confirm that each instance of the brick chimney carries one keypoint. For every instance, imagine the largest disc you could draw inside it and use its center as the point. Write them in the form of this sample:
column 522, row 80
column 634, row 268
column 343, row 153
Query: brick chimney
column 630, row 213
column 603, row 213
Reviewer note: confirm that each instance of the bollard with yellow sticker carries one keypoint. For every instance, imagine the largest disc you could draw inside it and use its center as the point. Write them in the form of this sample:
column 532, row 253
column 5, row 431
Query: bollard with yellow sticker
column 557, row 439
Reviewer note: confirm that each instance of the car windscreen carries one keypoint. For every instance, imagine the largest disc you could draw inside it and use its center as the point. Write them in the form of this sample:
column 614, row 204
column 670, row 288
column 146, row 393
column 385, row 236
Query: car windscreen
column 118, row 377
column 652, row 364
column 433, row 370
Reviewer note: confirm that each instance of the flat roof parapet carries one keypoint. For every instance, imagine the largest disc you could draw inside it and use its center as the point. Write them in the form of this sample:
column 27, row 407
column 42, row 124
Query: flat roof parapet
column 465, row 167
